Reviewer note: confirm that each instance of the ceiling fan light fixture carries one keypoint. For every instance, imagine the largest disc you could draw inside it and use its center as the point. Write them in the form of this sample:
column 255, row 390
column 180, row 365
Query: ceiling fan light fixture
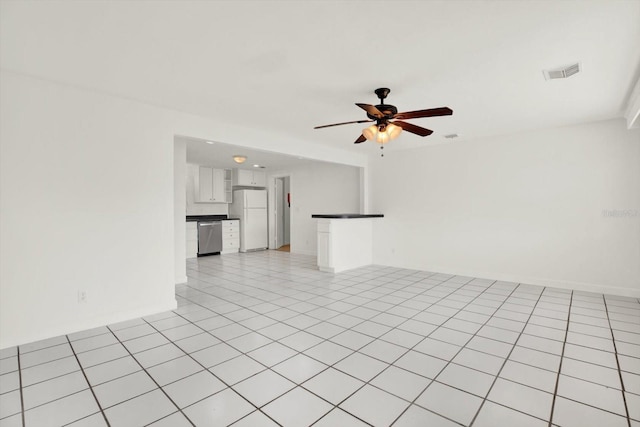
column 382, row 133
column 393, row 131
column 370, row 132
column 239, row 158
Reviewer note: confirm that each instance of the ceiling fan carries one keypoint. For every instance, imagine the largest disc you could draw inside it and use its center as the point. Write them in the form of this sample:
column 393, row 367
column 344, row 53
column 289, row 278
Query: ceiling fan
column 384, row 129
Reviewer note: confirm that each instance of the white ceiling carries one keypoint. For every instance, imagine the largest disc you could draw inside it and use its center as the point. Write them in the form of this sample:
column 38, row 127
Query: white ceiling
column 220, row 155
column 286, row 66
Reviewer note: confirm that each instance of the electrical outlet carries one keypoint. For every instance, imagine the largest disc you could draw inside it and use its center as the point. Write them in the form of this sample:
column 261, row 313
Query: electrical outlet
column 82, row 297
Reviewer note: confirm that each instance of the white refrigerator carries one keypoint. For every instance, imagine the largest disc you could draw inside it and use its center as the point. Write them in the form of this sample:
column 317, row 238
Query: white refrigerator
column 250, row 207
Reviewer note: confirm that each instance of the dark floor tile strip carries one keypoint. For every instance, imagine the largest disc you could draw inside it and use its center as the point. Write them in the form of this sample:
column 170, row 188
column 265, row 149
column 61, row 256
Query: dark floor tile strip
column 615, row 350
column 152, row 379
column 20, row 381
column 497, row 375
column 564, row 344
column 88, row 383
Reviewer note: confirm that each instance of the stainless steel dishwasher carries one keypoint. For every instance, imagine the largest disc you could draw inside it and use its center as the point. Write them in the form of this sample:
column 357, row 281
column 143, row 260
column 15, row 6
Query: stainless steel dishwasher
column 209, row 237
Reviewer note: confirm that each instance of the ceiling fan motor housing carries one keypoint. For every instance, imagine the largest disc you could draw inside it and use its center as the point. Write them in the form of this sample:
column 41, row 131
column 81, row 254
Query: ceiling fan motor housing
column 387, row 109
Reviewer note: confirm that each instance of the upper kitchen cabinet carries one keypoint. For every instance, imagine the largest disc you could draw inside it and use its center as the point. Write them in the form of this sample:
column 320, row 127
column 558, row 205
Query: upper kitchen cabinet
column 249, row 178
column 213, row 185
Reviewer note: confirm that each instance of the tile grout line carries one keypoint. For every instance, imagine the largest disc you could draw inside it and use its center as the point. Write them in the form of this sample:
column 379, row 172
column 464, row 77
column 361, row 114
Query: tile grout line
column 278, row 341
column 88, row 383
column 20, row 382
column 366, row 285
column 457, row 288
column 269, row 368
column 387, row 363
column 392, row 290
column 564, row 344
column 615, row 350
column 444, row 283
column 219, row 379
column 450, row 361
column 152, row 379
column 506, row 359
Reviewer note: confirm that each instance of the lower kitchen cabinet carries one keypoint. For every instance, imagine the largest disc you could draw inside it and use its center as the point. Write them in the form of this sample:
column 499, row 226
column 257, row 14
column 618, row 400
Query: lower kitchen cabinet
column 230, row 236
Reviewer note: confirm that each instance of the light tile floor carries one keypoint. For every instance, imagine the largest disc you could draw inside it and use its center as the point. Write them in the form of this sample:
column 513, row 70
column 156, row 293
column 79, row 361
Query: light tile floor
column 265, row 339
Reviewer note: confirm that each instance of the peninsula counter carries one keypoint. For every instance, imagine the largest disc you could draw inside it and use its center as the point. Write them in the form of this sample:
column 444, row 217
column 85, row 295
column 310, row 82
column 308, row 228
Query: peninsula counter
column 345, row 241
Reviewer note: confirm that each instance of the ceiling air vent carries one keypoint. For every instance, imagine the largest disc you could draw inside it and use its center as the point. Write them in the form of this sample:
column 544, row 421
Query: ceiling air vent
column 562, row 73
column 451, row 136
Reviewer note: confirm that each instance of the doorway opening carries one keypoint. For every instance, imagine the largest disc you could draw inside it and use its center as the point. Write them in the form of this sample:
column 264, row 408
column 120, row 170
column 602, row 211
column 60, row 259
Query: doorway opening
column 283, row 213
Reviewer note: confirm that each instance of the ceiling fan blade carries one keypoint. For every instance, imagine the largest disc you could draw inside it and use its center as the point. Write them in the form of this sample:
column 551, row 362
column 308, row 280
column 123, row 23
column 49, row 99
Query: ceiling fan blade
column 344, row 123
column 432, row 112
column 413, row 128
column 371, row 110
column 360, row 139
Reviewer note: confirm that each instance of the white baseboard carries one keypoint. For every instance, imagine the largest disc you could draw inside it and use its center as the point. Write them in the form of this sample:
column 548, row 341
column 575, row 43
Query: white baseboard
column 89, row 323
column 181, row 280
column 538, row 281
column 303, row 252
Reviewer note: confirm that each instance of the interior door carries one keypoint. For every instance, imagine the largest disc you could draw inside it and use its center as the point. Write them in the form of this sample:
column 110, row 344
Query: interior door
column 279, row 208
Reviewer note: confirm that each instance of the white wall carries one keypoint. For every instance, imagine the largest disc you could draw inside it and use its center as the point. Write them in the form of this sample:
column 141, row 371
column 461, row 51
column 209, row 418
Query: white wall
column 316, row 188
column 194, row 208
column 179, row 208
column 526, row 208
column 87, row 203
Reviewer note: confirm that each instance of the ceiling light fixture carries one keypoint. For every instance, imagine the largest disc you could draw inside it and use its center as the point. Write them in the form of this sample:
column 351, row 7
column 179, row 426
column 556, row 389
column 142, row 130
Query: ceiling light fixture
column 239, row 158
column 210, row 142
column 382, row 133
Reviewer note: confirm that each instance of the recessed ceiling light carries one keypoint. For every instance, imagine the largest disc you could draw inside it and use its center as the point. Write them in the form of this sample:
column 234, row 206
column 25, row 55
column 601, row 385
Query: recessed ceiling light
column 210, row 142
column 258, row 166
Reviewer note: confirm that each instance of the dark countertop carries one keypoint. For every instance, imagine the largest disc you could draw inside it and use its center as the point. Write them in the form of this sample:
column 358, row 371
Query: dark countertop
column 347, row 216
column 195, row 218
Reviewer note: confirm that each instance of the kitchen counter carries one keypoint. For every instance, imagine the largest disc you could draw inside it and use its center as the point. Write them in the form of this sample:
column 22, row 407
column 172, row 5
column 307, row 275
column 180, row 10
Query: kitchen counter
column 196, row 218
column 347, row 216
column 345, row 241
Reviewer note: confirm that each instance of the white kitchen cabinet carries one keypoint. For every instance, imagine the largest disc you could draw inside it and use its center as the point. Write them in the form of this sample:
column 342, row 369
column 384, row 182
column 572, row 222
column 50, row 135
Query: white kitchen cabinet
column 213, row 185
column 192, row 239
column 344, row 244
column 249, row 178
column 230, row 236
